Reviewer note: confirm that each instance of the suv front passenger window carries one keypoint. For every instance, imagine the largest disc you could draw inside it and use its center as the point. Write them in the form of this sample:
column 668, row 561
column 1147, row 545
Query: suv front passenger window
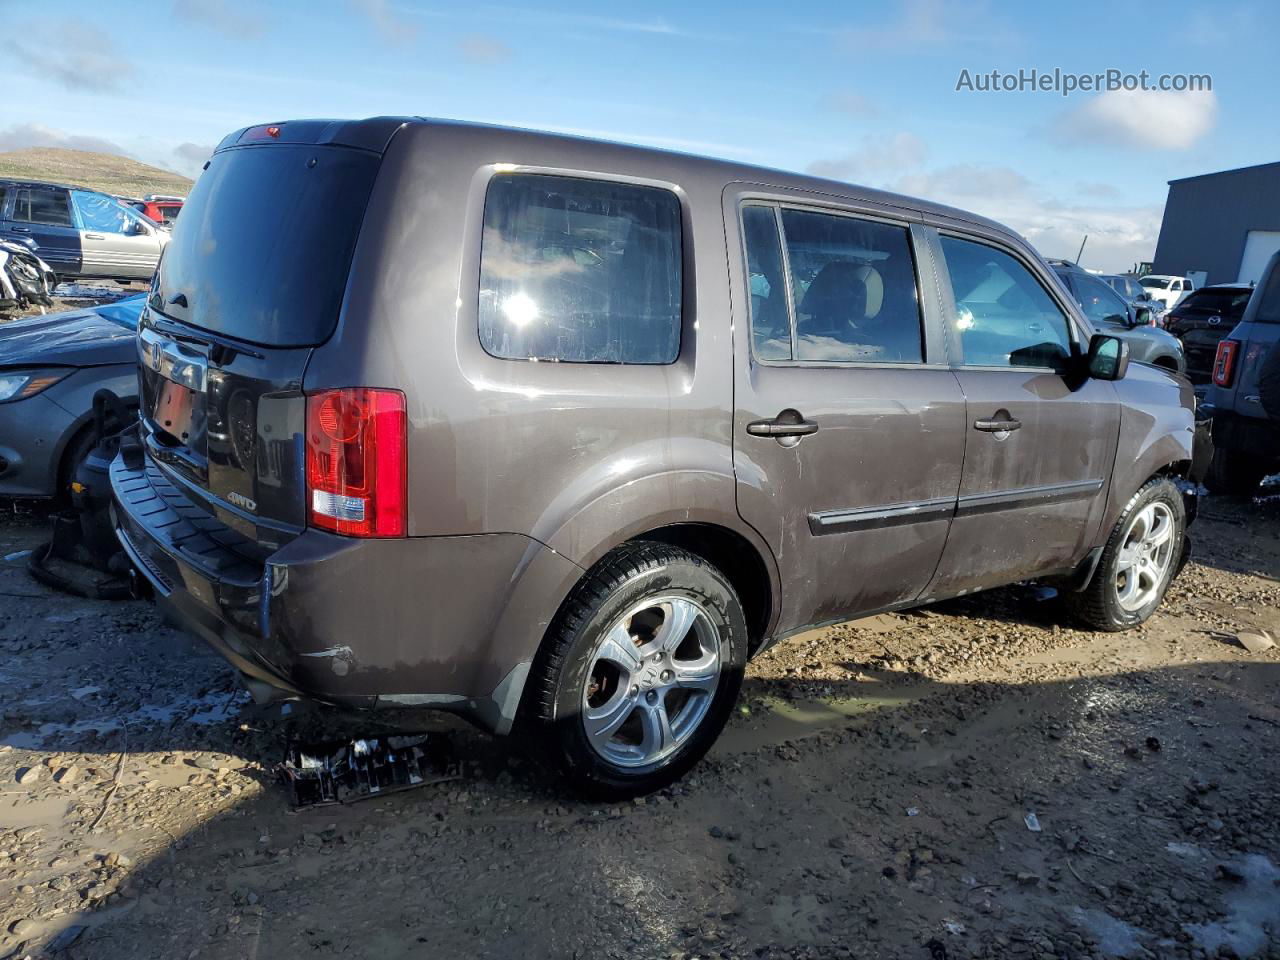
column 1004, row 317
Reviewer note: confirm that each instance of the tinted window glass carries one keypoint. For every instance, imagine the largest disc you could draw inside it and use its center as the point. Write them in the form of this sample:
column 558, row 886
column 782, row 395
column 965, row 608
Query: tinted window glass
column 1099, row 302
column 1154, row 283
column 770, row 318
column 854, row 289
column 48, row 207
column 1004, row 317
column 584, row 271
column 1209, row 300
column 1269, row 303
column 100, row 213
column 264, row 244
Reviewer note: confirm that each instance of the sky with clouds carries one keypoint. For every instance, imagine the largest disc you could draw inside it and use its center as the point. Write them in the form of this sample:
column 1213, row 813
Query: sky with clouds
column 859, row 91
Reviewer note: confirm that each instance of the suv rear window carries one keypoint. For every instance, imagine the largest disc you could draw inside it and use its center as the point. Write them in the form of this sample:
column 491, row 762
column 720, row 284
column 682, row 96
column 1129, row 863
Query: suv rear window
column 264, row 243
column 1230, row 302
column 577, row 270
column 1269, row 298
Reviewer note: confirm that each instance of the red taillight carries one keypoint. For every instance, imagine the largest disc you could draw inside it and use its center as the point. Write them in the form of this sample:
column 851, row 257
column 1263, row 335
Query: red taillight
column 356, row 462
column 1224, row 364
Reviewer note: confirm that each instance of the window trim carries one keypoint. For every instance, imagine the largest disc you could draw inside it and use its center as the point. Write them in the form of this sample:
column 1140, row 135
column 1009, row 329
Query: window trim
column 913, row 247
column 687, row 296
column 948, row 294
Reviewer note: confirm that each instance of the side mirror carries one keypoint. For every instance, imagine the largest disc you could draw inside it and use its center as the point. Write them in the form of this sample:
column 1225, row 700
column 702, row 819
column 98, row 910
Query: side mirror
column 1108, row 357
column 1142, row 317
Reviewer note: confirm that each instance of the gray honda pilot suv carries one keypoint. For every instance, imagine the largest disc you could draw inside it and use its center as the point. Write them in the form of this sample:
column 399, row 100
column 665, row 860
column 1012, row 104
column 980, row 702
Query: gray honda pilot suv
column 557, row 433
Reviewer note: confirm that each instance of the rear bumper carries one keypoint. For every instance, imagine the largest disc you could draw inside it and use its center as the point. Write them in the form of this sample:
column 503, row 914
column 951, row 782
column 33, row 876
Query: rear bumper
column 445, row 622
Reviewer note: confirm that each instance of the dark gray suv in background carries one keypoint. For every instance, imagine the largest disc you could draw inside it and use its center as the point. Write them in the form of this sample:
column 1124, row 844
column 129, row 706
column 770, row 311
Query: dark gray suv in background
column 558, row 432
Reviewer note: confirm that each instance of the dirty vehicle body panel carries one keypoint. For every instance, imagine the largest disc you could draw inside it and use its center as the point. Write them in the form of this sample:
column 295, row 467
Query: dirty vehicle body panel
column 523, row 473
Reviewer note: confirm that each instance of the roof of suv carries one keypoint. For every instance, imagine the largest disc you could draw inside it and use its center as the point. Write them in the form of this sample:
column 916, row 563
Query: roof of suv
column 375, row 133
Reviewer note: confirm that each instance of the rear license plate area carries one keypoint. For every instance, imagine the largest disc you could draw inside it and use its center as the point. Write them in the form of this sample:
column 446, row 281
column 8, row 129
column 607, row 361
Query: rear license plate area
column 172, row 410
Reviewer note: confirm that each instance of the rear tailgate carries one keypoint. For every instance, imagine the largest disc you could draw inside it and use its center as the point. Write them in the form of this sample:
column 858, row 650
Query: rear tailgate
column 252, row 281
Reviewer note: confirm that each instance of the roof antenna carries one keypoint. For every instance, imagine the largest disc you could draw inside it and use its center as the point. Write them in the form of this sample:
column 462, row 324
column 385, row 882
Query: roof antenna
column 1081, row 253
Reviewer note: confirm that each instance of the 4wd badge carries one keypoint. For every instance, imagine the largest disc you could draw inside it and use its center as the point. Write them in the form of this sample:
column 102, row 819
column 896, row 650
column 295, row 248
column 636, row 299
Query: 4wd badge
column 240, row 500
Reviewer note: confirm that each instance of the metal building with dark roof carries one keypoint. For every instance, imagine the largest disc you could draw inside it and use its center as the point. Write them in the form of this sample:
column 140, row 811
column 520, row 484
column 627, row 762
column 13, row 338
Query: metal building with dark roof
column 1223, row 225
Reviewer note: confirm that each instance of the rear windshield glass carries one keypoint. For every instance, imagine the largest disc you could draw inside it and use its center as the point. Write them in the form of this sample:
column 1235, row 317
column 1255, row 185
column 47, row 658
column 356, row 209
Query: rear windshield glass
column 263, row 246
column 1220, row 301
column 1269, row 298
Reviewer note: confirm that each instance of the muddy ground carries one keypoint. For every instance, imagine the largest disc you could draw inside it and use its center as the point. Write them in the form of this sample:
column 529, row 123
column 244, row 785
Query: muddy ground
column 977, row 779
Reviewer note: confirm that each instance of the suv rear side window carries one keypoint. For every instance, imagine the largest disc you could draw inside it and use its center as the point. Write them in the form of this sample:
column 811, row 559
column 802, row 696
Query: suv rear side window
column 48, row 207
column 853, row 288
column 1269, row 298
column 1004, row 317
column 580, row 271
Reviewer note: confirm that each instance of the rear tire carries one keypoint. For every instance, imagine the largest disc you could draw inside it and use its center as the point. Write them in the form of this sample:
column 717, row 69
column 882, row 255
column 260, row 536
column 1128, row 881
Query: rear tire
column 1139, row 561
column 639, row 671
column 1234, row 473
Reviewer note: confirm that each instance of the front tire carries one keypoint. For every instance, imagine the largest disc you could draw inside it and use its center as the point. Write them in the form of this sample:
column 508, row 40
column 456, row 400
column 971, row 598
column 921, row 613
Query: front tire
column 1139, row 561
column 639, row 671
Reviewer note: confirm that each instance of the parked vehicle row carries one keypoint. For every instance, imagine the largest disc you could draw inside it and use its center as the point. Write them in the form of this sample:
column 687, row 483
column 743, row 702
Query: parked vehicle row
column 1109, row 311
column 483, row 439
column 81, row 234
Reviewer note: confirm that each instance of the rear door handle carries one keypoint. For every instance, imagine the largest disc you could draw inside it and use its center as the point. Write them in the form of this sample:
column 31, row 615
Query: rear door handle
column 789, row 423
column 93, row 236
column 20, row 229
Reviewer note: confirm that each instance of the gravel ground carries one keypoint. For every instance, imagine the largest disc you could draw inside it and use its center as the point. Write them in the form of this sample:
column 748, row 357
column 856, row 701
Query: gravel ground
column 975, row 779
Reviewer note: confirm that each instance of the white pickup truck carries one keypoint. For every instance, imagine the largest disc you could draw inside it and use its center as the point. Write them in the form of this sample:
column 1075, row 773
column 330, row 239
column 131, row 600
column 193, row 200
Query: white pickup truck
column 1167, row 289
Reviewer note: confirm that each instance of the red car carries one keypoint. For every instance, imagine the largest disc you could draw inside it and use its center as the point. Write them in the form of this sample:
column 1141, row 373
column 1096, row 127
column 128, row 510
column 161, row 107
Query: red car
column 158, row 207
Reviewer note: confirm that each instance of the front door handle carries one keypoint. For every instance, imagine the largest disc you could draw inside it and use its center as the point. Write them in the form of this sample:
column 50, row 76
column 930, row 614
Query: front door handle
column 94, row 236
column 20, row 229
column 1001, row 422
column 789, row 423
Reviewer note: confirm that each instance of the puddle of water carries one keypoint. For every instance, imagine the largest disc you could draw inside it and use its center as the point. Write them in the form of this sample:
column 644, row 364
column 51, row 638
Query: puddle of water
column 779, row 720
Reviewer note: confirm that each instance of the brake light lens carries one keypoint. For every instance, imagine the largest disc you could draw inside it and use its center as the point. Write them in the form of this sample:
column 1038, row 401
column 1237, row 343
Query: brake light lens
column 357, row 462
column 1224, row 363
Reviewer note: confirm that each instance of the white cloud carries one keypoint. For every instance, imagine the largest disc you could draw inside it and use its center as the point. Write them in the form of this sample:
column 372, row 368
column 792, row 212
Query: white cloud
column 479, row 48
column 387, row 20
column 37, row 135
column 919, row 24
column 76, row 54
column 875, row 156
column 190, row 157
column 1119, row 236
column 849, row 102
column 1155, row 119
column 232, row 19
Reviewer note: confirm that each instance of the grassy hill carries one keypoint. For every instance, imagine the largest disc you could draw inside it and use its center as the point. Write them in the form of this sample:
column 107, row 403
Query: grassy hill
column 100, row 171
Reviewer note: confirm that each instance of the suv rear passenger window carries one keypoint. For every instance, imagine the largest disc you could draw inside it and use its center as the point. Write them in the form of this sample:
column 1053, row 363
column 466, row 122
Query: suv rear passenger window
column 48, row 207
column 1004, row 317
column 853, row 286
column 577, row 270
